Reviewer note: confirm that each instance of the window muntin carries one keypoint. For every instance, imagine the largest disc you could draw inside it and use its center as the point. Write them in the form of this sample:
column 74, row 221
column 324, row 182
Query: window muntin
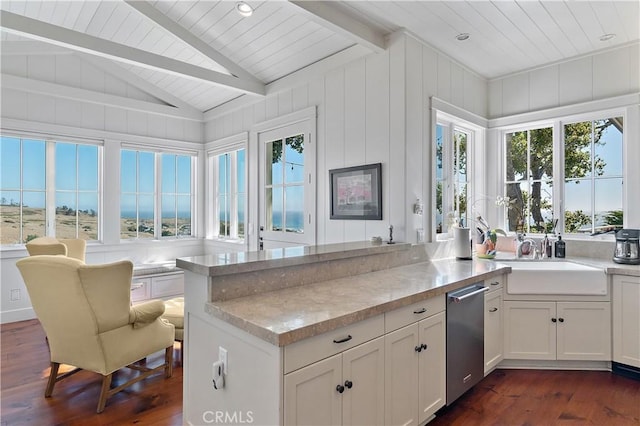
column 593, row 175
column 71, row 199
column 529, row 180
column 230, row 192
column 284, row 184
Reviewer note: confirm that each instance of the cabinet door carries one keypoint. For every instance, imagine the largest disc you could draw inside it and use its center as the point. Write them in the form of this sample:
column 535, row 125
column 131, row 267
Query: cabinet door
column 432, row 359
column 167, row 285
column 363, row 379
column 529, row 330
column 584, row 331
column 140, row 289
column 401, row 378
column 310, row 395
column 626, row 320
column 493, row 330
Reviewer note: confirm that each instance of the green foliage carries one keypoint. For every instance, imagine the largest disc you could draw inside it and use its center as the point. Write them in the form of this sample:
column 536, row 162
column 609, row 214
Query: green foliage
column 575, row 220
column 30, row 237
column 295, row 142
column 614, row 217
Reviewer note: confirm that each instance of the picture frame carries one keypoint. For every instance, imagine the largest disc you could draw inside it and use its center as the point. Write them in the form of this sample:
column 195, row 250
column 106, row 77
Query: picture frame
column 356, row 192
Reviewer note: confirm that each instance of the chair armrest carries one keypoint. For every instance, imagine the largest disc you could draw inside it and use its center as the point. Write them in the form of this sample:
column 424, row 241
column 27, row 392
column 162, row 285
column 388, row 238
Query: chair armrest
column 143, row 314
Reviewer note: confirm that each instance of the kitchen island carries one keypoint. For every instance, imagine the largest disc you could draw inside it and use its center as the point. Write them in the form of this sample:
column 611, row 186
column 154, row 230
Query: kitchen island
column 297, row 326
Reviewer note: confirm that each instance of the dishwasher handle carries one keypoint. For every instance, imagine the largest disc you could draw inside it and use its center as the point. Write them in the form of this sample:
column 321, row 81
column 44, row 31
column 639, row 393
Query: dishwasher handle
column 459, row 299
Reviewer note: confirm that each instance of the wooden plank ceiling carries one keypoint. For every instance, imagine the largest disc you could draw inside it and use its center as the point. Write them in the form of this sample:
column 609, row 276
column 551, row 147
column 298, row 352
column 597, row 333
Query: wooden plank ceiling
column 205, row 54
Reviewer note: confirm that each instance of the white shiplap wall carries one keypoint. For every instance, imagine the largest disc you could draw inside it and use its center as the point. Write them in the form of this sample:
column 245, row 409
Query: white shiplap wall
column 374, row 109
column 603, row 75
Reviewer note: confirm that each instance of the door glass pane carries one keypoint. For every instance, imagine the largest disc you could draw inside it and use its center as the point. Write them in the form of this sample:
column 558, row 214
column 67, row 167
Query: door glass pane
column 577, row 211
column 33, row 217
column 439, row 178
column 33, row 165
column 294, row 155
column 577, row 150
column 274, row 199
column 294, row 219
column 273, row 158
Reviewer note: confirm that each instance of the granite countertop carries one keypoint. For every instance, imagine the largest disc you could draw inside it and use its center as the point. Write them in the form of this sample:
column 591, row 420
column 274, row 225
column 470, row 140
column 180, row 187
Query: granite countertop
column 285, row 316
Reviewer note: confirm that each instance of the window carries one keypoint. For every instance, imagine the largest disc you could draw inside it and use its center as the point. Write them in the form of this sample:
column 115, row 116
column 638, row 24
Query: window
column 528, row 182
column 156, row 194
column 593, row 176
column 65, row 206
column 230, row 193
column 584, row 196
column 451, row 176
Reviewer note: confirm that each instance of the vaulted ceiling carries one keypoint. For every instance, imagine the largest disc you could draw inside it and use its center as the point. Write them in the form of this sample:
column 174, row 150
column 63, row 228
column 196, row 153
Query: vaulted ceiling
column 202, row 54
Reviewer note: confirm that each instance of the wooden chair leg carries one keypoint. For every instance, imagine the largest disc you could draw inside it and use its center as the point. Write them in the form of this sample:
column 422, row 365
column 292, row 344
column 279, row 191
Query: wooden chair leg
column 181, row 352
column 168, row 359
column 104, row 392
column 52, row 379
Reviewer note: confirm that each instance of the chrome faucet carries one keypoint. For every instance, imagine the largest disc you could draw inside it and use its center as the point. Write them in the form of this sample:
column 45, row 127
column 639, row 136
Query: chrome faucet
column 526, row 248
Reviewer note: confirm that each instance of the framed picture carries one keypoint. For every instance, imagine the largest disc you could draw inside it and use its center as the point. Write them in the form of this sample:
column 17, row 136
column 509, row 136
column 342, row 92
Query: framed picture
column 356, row 192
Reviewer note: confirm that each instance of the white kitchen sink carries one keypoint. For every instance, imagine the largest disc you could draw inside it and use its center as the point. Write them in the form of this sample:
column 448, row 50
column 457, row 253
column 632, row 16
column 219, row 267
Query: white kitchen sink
column 555, row 277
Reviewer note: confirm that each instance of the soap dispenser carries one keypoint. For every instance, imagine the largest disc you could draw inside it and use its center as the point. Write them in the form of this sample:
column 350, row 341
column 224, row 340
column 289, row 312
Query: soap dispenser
column 560, row 247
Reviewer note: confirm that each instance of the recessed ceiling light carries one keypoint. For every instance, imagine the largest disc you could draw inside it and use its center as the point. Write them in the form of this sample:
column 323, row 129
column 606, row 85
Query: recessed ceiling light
column 463, row 37
column 606, row 37
column 244, row 9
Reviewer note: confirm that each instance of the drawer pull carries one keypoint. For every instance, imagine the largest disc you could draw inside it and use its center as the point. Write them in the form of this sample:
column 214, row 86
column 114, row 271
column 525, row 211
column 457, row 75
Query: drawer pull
column 493, row 309
column 495, row 283
column 136, row 286
column 346, row 339
column 420, row 311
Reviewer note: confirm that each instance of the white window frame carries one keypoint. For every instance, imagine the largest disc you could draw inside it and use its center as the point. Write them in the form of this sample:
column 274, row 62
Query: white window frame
column 50, row 141
column 157, row 214
column 229, row 145
column 558, row 124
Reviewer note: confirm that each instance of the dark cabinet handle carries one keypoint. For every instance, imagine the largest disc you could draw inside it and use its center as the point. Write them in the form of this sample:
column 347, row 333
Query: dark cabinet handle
column 340, row 388
column 419, row 348
column 346, row 339
column 420, row 311
column 424, row 347
column 493, row 309
column 553, row 320
column 561, row 319
column 495, row 283
column 348, row 384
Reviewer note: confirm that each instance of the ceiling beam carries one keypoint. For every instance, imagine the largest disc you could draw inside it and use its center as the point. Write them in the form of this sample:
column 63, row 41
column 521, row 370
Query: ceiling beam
column 328, row 15
column 30, row 47
column 186, row 36
column 32, row 28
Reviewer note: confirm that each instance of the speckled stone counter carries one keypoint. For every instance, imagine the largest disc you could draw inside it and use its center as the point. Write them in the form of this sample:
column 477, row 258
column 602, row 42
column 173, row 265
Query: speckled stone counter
column 285, row 316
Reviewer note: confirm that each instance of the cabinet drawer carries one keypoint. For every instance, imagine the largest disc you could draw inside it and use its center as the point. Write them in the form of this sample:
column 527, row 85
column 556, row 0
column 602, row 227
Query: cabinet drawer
column 406, row 315
column 307, row 351
column 494, row 283
column 140, row 288
column 168, row 285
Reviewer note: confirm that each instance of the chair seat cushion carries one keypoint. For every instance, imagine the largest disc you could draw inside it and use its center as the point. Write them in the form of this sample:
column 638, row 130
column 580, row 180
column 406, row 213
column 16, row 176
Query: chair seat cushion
column 174, row 313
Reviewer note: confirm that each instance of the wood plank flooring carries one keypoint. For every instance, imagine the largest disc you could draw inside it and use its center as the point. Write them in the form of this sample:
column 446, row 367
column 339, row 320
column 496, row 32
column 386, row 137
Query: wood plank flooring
column 506, row 397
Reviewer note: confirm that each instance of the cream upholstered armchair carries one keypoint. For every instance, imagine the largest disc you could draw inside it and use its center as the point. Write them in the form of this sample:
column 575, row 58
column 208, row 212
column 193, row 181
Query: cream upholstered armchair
column 86, row 314
column 71, row 247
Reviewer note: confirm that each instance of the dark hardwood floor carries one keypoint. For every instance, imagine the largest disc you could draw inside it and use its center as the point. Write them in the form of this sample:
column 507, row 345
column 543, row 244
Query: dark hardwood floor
column 506, row 397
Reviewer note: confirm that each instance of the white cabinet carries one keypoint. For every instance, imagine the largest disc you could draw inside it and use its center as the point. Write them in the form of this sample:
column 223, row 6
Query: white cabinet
column 536, row 330
column 162, row 286
column 493, row 326
column 415, row 371
column 626, row 320
column 344, row 389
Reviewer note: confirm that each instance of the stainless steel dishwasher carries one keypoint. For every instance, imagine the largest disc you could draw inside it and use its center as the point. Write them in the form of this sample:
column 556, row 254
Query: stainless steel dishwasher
column 465, row 339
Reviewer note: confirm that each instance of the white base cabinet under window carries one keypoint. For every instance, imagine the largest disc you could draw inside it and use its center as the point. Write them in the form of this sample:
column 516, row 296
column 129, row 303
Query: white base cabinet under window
column 626, row 320
column 537, row 330
column 161, row 286
column 345, row 389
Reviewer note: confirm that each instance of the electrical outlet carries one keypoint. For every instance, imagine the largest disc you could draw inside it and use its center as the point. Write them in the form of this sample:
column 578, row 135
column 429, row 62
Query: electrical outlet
column 15, row 294
column 222, row 356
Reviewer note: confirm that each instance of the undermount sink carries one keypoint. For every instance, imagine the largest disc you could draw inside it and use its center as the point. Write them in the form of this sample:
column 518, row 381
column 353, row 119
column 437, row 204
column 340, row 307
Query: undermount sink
column 555, row 277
